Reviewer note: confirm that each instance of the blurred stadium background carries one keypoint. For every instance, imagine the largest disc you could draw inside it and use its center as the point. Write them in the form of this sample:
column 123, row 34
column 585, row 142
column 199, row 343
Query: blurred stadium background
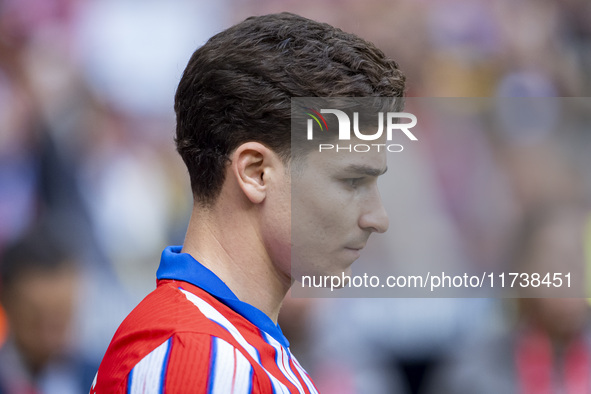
column 86, row 140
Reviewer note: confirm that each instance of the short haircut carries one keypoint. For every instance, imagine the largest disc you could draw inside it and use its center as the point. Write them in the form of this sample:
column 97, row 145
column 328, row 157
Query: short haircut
column 238, row 88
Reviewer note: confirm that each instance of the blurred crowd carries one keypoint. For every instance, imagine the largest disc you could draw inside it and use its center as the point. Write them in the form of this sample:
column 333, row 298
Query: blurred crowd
column 87, row 160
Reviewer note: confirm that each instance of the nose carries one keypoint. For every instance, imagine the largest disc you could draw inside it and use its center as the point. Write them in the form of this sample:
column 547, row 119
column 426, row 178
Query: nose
column 373, row 216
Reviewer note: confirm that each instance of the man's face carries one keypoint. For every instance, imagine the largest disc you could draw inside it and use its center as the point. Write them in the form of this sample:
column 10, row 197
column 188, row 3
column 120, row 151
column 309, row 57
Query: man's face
column 335, row 206
column 40, row 311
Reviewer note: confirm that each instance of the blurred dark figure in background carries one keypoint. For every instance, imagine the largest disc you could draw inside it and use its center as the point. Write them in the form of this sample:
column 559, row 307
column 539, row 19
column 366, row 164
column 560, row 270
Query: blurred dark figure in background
column 38, row 282
column 548, row 347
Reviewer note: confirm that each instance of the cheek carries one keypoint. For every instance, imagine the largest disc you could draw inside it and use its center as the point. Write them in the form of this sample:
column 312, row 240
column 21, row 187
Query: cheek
column 276, row 231
column 321, row 219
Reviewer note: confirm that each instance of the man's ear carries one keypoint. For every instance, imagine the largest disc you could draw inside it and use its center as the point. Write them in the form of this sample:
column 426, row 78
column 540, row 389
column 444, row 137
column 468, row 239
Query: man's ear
column 252, row 164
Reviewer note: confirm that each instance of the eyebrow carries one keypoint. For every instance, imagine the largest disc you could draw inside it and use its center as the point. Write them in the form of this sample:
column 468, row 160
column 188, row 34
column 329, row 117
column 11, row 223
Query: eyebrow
column 365, row 170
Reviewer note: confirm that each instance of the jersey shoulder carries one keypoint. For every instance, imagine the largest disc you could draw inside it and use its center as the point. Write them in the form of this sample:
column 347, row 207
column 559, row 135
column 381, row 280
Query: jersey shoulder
column 169, row 331
column 182, row 339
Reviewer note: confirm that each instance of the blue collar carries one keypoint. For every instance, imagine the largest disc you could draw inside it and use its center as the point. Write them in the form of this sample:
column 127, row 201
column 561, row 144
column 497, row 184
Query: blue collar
column 182, row 266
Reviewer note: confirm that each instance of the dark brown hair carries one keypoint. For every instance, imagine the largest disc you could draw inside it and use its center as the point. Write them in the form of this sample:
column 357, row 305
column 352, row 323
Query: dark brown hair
column 238, row 86
column 37, row 251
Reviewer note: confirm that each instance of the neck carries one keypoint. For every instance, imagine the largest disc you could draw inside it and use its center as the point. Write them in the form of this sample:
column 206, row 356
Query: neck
column 228, row 243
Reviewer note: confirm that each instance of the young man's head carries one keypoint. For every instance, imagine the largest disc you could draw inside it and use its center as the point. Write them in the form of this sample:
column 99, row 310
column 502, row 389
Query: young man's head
column 234, row 112
column 238, row 88
column 37, row 291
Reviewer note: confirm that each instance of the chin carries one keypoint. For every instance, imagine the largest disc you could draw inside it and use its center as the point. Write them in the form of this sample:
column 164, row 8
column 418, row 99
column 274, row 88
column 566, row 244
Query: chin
column 323, row 260
column 343, row 267
column 347, row 271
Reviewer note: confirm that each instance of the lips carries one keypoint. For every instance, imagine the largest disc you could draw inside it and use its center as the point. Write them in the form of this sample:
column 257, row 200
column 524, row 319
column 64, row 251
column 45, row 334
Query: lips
column 353, row 253
column 355, row 247
column 358, row 250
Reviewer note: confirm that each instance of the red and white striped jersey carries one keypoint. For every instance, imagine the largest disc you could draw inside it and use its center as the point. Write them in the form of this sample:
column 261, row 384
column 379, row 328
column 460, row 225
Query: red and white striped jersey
column 193, row 335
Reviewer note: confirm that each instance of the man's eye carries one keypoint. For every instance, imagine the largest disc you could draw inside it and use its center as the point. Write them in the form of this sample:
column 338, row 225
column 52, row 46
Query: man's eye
column 353, row 182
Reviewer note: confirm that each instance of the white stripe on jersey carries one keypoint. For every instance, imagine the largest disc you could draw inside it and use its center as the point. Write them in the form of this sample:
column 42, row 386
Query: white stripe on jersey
column 232, row 373
column 93, row 382
column 147, row 376
column 213, row 314
column 303, row 374
column 282, row 360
